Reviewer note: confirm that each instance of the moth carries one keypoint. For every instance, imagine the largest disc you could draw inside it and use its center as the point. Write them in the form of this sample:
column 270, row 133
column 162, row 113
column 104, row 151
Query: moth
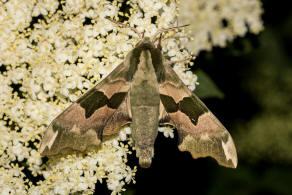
column 144, row 91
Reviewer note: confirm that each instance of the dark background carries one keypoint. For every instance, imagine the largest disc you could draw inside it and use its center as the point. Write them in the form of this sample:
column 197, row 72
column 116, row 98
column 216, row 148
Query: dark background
column 255, row 75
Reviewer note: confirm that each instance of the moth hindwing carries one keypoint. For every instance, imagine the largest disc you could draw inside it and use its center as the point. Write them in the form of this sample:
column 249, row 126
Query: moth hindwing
column 144, row 91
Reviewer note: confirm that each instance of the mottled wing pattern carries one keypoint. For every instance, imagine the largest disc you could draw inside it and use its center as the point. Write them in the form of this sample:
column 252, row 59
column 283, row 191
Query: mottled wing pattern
column 200, row 132
column 100, row 111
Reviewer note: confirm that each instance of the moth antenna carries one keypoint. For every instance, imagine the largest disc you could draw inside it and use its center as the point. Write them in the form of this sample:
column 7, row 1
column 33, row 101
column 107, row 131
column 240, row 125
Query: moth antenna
column 143, row 33
column 126, row 26
column 168, row 29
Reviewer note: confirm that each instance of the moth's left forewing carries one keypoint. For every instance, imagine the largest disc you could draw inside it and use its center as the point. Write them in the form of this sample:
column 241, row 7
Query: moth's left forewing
column 200, row 132
column 100, row 111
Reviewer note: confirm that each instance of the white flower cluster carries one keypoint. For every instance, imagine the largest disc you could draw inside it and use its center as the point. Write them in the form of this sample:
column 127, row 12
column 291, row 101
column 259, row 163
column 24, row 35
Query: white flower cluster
column 76, row 172
column 214, row 22
column 51, row 52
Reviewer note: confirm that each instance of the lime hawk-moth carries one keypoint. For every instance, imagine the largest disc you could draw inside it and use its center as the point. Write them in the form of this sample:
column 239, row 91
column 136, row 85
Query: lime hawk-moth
column 146, row 92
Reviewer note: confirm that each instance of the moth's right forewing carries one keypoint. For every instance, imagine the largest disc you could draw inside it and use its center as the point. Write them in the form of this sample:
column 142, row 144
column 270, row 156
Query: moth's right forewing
column 200, row 132
column 83, row 123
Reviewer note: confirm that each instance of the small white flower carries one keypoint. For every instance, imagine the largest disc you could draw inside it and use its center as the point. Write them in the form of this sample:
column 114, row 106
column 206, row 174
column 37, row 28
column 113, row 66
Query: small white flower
column 167, row 131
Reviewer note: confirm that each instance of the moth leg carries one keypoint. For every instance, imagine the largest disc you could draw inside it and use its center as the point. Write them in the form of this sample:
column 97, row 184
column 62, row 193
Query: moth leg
column 166, row 30
column 177, row 61
column 125, row 26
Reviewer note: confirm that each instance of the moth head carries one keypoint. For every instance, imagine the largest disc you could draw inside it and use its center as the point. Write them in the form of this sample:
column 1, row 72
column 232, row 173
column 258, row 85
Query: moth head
column 145, row 41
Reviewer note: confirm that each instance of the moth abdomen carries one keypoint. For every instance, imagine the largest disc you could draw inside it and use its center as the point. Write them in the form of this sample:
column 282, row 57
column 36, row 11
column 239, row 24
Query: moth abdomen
column 144, row 101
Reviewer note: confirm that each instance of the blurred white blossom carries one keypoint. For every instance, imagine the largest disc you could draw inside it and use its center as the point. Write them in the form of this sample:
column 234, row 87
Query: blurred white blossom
column 215, row 22
column 52, row 52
